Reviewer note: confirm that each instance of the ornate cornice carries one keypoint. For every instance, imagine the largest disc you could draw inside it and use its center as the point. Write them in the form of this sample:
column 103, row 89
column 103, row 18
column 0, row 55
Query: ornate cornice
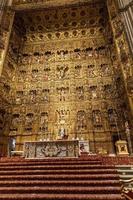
column 41, row 4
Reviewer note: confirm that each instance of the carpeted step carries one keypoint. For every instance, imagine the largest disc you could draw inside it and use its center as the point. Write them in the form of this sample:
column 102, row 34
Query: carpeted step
column 81, row 183
column 61, row 177
column 55, row 167
column 53, row 159
column 56, row 172
column 60, row 190
column 61, row 197
column 51, row 163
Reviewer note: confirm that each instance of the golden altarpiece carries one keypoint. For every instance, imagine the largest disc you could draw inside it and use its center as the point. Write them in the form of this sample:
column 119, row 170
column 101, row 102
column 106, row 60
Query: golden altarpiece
column 66, row 69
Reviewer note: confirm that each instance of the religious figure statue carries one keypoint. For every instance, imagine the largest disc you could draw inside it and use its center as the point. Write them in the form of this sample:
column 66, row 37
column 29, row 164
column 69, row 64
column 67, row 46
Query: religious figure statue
column 62, row 115
column 2, row 114
column 112, row 116
column 97, row 117
column 107, row 91
column 78, row 69
column 62, row 71
column 91, row 70
column 118, row 26
column 19, row 97
column 80, row 93
column 62, row 93
column 34, row 74
column 93, row 91
column 61, row 132
column 45, row 95
column 29, row 120
column 105, row 70
column 44, row 121
column 46, row 73
column 81, row 120
column 33, row 96
column 15, row 121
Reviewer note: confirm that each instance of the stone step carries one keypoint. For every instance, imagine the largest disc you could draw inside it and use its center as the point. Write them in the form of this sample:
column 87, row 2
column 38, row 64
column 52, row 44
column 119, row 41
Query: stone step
column 61, row 177
column 12, row 183
column 33, row 196
column 53, row 172
column 124, row 166
column 125, row 171
column 126, row 177
column 60, row 190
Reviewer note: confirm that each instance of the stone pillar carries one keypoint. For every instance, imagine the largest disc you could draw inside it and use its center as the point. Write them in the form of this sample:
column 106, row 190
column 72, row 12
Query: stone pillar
column 6, row 22
column 124, row 54
column 126, row 11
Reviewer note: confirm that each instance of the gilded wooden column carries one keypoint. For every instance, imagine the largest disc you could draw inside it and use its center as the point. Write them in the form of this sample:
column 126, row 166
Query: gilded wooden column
column 6, row 21
column 120, row 23
column 126, row 11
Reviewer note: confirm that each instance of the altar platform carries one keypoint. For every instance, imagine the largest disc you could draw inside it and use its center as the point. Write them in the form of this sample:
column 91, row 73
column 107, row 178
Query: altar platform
column 48, row 149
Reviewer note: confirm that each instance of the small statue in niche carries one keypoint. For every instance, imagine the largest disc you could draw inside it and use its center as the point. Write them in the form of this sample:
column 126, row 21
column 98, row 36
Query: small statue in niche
column 130, row 85
column 33, row 96
column 47, row 74
column 123, row 53
column 62, row 55
column 107, row 91
column 93, row 91
column 91, row 70
column 15, row 122
column 89, row 52
column 34, row 73
column 41, row 59
column 62, row 132
column 62, row 93
column 19, row 97
column 112, row 116
column 48, row 55
column 77, row 54
column 62, row 115
column 62, row 71
column 53, row 57
column 37, row 58
column 25, row 59
column 2, row 115
column 105, row 69
column 80, row 93
column 44, row 121
column 127, row 128
column 97, row 117
column 3, row 36
column 45, row 94
column 29, row 120
column 78, row 70
column 22, row 75
column 102, row 51
column 81, row 120
column 118, row 27
column 66, row 55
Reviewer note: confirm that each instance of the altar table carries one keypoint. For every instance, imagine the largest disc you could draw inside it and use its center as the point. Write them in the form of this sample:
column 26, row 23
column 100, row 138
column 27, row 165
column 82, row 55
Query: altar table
column 45, row 149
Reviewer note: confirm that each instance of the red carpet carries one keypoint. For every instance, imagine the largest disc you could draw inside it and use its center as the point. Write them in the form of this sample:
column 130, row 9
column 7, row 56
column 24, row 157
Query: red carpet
column 59, row 179
column 129, row 195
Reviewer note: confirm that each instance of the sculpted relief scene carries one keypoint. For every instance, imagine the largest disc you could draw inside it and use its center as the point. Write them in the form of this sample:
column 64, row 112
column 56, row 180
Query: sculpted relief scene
column 62, row 78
